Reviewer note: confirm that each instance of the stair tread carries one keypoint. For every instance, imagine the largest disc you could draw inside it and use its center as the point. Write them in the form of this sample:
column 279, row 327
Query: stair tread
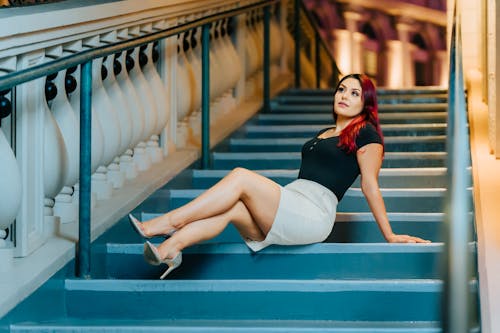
column 302, row 140
column 319, row 248
column 215, row 325
column 256, row 285
column 294, row 172
column 289, row 155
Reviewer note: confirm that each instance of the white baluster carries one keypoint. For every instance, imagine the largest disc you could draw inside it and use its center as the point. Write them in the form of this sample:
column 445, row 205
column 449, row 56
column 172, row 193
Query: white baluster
column 55, row 151
column 141, row 158
column 251, row 63
column 97, row 144
column 97, row 135
column 129, row 164
column 10, row 196
column 10, row 183
column 217, row 80
column 162, row 106
column 276, row 45
column 117, row 96
column 106, row 114
column 184, row 92
column 193, row 55
column 66, row 120
column 237, row 65
column 228, row 101
column 108, row 119
column 117, row 174
column 168, row 72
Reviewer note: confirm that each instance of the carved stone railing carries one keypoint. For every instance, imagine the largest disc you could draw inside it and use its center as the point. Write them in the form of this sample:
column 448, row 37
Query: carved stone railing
column 145, row 106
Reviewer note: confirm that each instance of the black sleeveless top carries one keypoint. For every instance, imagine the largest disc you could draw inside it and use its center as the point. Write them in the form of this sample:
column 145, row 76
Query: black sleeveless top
column 329, row 165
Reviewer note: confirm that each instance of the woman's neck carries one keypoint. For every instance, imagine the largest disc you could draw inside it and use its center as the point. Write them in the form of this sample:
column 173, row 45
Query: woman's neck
column 342, row 123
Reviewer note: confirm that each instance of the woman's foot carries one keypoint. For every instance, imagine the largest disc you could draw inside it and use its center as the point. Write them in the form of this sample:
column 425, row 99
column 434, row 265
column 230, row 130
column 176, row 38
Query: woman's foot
column 153, row 257
column 141, row 229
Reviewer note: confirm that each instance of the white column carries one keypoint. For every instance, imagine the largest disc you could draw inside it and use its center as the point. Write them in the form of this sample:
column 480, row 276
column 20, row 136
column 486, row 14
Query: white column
column 354, row 43
column 342, row 50
column 357, row 51
column 408, row 78
column 395, row 66
column 441, row 69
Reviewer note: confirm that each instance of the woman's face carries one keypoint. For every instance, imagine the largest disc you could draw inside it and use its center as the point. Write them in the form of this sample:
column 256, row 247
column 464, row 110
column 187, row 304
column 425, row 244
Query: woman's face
column 348, row 100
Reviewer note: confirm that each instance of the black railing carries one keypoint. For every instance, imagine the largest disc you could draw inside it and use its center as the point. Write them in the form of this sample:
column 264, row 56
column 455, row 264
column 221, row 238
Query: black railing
column 457, row 305
column 319, row 44
column 84, row 58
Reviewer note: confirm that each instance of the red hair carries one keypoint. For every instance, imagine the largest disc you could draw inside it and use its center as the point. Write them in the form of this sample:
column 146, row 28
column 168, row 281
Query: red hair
column 369, row 113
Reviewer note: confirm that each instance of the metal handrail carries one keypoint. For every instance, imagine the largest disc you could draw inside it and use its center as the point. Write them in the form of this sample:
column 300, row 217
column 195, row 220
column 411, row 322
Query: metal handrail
column 457, row 300
column 84, row 58
column 319, row 42
column 18, row 77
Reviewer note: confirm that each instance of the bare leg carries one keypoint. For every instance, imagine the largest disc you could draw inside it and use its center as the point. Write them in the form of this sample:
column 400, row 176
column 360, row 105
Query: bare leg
column 208, row 228
column 259, row 194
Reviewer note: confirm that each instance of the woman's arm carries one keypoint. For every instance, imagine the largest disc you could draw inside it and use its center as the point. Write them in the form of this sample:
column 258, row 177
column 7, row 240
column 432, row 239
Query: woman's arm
column 370, row 161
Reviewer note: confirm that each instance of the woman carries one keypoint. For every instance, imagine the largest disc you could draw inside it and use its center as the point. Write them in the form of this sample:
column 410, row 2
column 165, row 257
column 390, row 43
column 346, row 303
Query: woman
column 303, row 212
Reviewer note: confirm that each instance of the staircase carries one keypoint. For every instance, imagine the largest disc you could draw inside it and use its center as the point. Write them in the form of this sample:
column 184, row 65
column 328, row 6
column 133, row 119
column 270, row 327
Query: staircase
column 353, row 282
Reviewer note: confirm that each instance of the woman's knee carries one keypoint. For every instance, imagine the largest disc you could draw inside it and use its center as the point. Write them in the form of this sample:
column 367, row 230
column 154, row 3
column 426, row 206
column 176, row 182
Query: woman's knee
column 240, row 172
column 241, row 176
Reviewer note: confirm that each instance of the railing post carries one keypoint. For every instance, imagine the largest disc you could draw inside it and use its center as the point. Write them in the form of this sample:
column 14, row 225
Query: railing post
column 317, row 59
column 205, row 97
column 83, row 246
column 267, row 62
column 296, row 30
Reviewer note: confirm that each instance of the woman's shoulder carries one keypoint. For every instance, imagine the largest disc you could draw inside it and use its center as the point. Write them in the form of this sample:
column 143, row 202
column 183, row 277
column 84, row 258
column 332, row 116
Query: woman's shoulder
column 368, row 134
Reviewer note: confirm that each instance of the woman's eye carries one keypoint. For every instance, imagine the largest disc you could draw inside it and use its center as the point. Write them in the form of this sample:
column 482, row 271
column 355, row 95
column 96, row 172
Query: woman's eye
column 341, row 89
column 355, row 93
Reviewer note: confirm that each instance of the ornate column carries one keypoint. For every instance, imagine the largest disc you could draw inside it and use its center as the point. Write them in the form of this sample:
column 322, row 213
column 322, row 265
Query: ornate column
column 404, row 27
column 395, row 65
column 352, row 59
column 441, row 67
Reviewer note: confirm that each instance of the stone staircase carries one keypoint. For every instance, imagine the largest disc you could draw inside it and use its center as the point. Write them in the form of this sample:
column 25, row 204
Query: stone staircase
column 353, row 282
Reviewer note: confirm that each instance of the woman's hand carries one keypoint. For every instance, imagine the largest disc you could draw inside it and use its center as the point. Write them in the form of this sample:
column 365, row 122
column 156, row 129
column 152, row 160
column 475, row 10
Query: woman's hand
column 394, row 238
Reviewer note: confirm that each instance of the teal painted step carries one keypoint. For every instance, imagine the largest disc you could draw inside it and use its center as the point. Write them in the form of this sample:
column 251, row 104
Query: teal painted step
column 225, row 326
column 247, row 299
column 349, row 227
column 232, row 261
column 388, row 177
column 307, row 108
column 381, row 99
column 256, row 143
column 290, row 160
column 326, row 118
column 396, row 200
column 380, row 91
column 387, row 129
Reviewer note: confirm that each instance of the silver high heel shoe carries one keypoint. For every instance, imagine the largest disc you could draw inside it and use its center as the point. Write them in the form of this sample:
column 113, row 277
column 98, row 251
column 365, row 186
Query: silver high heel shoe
column 136, row 225
column 152, row 256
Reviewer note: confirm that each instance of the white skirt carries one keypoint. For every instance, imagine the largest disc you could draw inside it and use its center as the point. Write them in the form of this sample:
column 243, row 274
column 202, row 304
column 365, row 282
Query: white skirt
column 305, row 215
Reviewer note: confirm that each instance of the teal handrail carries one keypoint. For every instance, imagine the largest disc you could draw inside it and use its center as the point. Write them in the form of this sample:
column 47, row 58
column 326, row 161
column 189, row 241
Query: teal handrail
column 319, row 43
column 84, row 58
column 457, row 299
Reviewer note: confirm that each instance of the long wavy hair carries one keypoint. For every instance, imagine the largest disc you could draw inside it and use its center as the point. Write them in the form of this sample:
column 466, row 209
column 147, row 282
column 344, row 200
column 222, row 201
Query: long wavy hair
column 369, row 114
